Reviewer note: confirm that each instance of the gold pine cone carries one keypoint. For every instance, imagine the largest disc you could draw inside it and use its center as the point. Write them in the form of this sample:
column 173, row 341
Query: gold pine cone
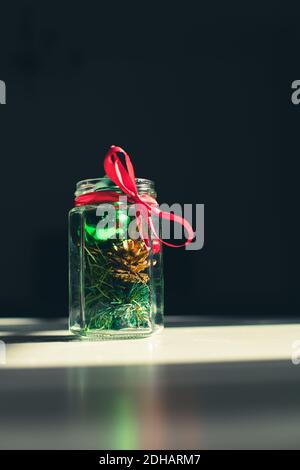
column 131, row 258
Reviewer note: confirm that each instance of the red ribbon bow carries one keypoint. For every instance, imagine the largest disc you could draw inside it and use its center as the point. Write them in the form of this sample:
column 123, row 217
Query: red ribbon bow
column 124, row 178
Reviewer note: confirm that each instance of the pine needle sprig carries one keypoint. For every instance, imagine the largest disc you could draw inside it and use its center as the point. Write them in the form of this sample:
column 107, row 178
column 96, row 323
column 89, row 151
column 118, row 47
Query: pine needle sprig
column 117, row 292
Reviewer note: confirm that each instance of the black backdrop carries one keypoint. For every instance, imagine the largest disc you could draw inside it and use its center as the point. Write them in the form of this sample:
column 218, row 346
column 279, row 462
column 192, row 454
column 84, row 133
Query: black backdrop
column 199, row 95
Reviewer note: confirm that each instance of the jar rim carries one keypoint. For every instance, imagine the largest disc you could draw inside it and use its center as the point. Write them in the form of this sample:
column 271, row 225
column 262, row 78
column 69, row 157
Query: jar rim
column 144, row 185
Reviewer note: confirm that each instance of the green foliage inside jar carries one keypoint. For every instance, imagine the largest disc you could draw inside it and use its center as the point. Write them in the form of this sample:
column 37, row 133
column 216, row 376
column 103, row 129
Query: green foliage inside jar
column 116, row 276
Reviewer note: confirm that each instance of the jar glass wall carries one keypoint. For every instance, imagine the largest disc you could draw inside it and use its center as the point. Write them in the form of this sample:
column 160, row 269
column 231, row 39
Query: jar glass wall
column 115, row 280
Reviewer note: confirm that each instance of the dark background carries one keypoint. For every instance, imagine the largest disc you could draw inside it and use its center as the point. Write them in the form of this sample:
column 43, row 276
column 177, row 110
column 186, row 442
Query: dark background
column 198, row 93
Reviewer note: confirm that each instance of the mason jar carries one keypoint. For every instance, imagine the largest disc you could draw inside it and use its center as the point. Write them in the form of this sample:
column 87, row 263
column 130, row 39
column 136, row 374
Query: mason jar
column 115, row 280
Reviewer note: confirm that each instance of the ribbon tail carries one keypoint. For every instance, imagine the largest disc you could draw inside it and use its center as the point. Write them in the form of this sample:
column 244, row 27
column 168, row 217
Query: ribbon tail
column 174, row 218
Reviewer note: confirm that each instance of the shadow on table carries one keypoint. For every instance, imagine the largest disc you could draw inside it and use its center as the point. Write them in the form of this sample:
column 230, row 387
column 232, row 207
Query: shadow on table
column 14, row 339
column 35, row 331
column 241, row 405
column 190, row 321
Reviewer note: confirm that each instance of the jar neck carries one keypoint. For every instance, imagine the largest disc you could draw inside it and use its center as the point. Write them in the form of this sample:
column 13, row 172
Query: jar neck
column 144, row 186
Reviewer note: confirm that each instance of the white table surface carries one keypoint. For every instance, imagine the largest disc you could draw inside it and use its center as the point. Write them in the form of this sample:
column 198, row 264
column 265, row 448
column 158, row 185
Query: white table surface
column 198, row 384
column 36, row 343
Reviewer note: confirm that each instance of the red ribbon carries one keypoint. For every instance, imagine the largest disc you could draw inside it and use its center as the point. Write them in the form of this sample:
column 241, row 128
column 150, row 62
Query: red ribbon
column 124, row 178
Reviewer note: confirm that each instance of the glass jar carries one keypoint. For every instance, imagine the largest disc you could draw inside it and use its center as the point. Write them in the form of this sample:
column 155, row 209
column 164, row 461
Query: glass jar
column 115, row 281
